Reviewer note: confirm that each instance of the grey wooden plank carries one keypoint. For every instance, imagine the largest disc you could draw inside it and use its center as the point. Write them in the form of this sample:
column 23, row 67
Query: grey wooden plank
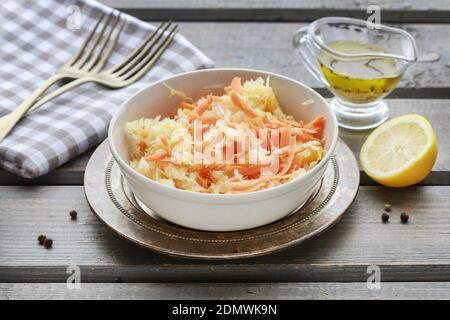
column 437, row 111
column 268, row 46
column 227, row 272
column 275, row 4
column 417, row 251
column 227, row 291
column 286, row 10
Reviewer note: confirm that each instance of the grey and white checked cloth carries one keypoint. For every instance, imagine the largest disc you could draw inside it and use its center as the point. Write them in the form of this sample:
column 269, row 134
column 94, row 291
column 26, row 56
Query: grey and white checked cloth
column 36, row 38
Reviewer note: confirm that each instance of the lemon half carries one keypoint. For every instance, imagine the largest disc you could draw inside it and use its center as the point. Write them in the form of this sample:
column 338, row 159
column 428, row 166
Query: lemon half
column 401, row 152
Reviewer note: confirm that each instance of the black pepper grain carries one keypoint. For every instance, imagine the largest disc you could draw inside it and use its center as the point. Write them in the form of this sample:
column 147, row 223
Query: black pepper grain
column 48, row 243
column 404, row 217
column 41, row 238
column 73, row 214
column 385, row 217
column 387, row 207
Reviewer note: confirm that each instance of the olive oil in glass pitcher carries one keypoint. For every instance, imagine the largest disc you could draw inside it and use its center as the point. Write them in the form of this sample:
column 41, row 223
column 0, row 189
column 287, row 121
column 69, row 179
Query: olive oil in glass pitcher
column 359, row 65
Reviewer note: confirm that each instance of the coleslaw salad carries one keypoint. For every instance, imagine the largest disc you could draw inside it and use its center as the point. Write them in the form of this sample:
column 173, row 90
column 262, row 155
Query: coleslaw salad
column 238, row 142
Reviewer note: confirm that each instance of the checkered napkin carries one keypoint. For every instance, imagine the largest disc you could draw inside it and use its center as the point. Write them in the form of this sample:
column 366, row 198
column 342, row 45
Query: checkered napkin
column 36, row 38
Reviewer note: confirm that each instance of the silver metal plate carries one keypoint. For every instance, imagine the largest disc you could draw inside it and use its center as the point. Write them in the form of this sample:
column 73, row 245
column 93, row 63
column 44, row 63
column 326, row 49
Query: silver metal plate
column 114, row 204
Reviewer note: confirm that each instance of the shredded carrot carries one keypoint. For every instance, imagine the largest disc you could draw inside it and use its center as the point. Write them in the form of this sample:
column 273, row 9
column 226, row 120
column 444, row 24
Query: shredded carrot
column 317, row 125
column 166, row 144
column 248, row 170
column 203, row 182
column 156, row 156
column 304, row 137
column 209, row 119
column 142, row 146
column 186, row 105
column 285, row 135
column 202, row 107
column 291, row 156
column 238, row 102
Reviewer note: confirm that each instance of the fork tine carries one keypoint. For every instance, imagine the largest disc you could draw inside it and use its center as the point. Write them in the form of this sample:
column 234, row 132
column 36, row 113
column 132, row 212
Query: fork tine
column 92, row 63
column 110, row 49
column 143, row 50
column 155, row 58
column 86, row 41
column 137, row 61
column 136, row 51
column 88, row 54
column 150, row 60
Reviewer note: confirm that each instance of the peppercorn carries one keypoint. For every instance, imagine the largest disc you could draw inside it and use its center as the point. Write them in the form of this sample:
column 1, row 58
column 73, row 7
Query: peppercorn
column 73, row 214
column 385, row 217
column 387, row 207
column 404, row 217
column 41, row 238
column 48, row 243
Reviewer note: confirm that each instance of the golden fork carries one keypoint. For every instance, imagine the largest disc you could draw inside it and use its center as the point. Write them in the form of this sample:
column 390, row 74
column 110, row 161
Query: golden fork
column 131, row 69
column 83, row 61
column 86, row 66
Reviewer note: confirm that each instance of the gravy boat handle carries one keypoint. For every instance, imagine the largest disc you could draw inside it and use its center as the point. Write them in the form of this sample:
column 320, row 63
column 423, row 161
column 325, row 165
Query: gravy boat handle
column 303, row 47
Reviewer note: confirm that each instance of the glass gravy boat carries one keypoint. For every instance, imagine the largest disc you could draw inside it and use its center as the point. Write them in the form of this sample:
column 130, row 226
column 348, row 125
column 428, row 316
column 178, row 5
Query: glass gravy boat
column 360, row 63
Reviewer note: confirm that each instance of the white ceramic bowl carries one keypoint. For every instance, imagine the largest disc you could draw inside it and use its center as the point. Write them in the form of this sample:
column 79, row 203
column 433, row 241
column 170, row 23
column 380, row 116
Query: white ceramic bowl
column 218, row 212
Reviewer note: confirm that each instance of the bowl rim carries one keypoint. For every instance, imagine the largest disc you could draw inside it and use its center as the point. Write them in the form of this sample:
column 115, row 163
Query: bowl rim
column 180, row 193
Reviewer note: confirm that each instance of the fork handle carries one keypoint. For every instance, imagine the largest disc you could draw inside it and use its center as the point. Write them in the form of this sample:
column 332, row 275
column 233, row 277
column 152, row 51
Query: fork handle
column 8, row 121
column 57, row 92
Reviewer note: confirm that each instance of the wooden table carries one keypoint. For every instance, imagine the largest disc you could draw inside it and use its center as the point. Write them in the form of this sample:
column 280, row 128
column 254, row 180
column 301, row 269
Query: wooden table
column 414, row 259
